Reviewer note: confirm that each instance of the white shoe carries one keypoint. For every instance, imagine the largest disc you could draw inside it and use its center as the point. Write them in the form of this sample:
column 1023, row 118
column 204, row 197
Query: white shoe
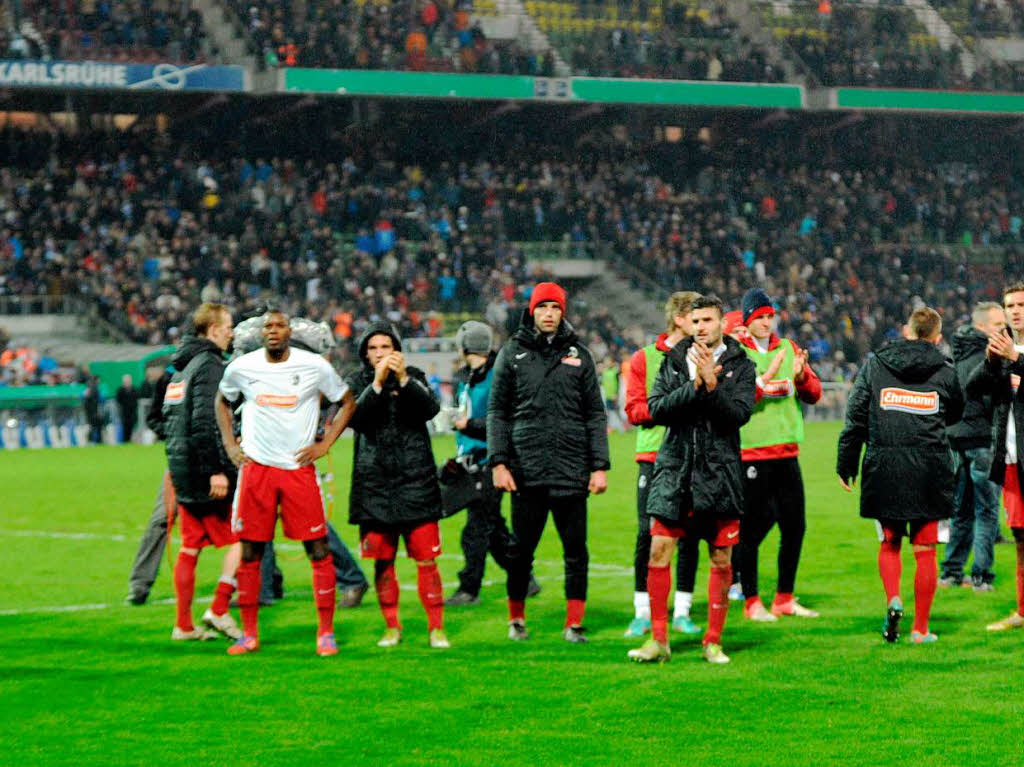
column 391, row 638
column 225, row 624
column 713, row 654
column 195, row 635
column 735, row 593
column 758, row 612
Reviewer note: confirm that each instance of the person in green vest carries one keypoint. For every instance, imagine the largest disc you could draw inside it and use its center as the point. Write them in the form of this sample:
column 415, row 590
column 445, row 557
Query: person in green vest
column 610, row 393
column 770, row 442
column 643, row 370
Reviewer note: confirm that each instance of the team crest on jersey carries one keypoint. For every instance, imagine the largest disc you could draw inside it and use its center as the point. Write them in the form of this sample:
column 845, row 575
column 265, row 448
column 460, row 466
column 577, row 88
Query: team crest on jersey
column 777, row 389
column 907, row 401
column 175, row 393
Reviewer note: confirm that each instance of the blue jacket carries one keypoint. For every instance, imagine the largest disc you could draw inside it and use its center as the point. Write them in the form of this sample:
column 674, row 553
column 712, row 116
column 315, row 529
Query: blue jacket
column 472, row 394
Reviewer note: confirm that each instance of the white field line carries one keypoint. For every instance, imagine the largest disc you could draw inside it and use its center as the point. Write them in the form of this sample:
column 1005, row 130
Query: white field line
column 597, row 569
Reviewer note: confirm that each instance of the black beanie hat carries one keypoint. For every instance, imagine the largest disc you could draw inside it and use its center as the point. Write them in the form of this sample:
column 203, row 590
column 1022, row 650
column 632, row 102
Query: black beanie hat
column 755, row 304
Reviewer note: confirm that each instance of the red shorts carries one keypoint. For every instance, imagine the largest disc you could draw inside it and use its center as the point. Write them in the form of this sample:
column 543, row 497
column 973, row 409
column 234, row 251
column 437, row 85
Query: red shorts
column 422, row 542
column 262, row 489
column 922, row 532
column 1011, row 497
column 209, row 529
column 717, row 531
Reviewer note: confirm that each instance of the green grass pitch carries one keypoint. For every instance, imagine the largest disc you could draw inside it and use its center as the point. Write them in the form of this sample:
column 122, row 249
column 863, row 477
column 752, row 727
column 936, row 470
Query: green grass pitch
column 104, row 684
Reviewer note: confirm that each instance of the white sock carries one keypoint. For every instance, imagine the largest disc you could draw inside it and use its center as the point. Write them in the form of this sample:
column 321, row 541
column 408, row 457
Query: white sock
column 642, row 604
column 684, row 599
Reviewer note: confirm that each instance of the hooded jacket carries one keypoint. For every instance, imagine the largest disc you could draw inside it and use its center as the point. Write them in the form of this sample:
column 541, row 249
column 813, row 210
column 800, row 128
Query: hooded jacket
column 975, row 427
column 394, row 479
column 545, row 418
column 193, row 442
column 900, row 405
column 698, row 466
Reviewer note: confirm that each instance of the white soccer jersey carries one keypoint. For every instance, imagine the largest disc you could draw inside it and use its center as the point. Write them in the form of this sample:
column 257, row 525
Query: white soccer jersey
column 282, row 402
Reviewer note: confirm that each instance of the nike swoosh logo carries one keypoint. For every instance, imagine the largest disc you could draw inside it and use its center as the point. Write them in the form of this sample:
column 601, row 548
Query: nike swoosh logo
column 520, row 356
column 325, row 591
column 731, row 535
column 316, row 529
column 435, row 549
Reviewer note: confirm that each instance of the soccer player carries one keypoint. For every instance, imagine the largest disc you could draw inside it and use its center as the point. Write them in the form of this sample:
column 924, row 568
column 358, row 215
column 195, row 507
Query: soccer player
column 394, row 492
column 643, row 370
column 704, row 393
column 999, row 377
column 902, row 401
column 281, row 388
column 202, row 476
column 773, row 488
column 548, row 446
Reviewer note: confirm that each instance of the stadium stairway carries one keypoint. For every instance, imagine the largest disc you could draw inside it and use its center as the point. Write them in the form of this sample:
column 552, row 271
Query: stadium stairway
column 530, row 34
column 749, row 24
column 602, row 287
column 939, row 28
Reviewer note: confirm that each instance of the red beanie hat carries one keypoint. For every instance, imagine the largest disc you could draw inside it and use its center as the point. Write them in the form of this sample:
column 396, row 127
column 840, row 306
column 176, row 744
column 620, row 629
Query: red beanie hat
column 547, row 291
column 730, row 321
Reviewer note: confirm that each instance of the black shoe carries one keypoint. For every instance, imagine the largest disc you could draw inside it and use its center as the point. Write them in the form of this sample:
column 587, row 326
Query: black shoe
column 533, row 589
column 136, row 599
column 893, row 616
column 462, row 598
column 575, row 634
column 352, row 596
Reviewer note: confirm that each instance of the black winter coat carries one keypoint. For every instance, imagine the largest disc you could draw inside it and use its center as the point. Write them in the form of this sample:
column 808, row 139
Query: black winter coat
column 975, row 426
column 996, row 379
column 155, row 415
column 193, row 443
column 698, row 465
column 900, row 405
column 394, row 478
column 545, row 417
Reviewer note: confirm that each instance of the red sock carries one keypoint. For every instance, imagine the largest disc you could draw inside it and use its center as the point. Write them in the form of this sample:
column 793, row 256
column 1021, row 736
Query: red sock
column 222, row 596
column 926, row 575
column 249, row 595
column 659, row 584
column 782, row 598
column 184, row 588
column 516, row 610
column 890, row 567
column 719, row 581
column 428, row 582
column 324, row 594
column 574, row 609
column 386, row 584
column 1020, row 583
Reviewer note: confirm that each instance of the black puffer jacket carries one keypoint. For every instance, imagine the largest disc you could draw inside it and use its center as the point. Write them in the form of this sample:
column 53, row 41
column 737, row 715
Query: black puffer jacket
column 1000, row 380
column 193, row 444
column 698, row 464
column 545, row 416
column 900, row 405
column 394, row 479
column 975, row 426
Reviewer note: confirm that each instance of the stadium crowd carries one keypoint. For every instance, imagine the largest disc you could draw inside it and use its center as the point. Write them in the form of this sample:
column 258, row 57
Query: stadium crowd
column 111, row 30
column 413, row 35
column 148, row 234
